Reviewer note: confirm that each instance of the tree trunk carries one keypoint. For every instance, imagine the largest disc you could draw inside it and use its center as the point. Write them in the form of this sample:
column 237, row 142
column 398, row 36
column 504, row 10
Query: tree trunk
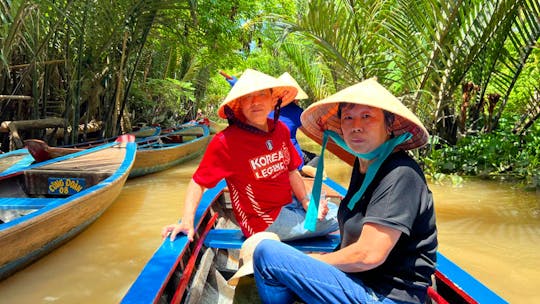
column 14, row 126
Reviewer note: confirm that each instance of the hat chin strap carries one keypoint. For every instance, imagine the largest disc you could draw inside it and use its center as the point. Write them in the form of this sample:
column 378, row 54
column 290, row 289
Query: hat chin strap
column 277, row 109
column 378, row 155
column 232, row 120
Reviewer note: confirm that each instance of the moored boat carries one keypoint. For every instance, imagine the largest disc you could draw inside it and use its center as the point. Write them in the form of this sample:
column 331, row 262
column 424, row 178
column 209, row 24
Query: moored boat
column 170, row 149
column 41, row 151
column 45, row 204
column 197, row 272
column 154, row 153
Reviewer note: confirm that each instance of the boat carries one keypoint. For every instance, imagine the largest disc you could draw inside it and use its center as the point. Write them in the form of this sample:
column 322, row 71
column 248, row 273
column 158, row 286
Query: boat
column 41, row 151
column 45, row 204
column 170, row 149
column 197, row 272
column 154, row 153
column 14, row 160
column 141, row 134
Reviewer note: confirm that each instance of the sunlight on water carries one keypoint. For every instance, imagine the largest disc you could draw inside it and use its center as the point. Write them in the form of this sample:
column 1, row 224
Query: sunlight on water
column 490, row 229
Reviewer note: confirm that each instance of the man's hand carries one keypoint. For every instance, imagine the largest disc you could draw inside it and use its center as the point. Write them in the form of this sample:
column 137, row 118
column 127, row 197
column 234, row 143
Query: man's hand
column 323, row 208
column 174, row 229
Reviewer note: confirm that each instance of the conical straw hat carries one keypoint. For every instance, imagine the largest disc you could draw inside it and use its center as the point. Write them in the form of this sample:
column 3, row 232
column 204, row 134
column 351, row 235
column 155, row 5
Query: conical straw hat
column 253, row 81
column 322, row 115
column 246, row 254
column 287, row 78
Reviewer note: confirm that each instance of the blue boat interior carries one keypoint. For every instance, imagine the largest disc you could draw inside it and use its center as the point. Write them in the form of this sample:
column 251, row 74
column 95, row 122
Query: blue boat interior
column 233, row 239
column 25, row 203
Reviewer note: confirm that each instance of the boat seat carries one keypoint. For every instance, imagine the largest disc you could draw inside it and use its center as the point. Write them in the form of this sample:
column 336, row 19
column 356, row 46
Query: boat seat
column 37, row 180
column 233, row 239
column 7, row 203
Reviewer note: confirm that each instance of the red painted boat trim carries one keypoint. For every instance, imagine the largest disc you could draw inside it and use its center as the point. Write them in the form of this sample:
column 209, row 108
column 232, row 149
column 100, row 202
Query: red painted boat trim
column 435, row 296
column 455, row 288
column 186, row 276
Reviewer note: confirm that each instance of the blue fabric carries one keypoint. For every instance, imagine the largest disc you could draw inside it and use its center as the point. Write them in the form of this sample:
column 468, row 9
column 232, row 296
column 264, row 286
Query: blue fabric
column 289, row 225
column 291, row 274
column 232, row 81
column 290, row 116
column 379, row 154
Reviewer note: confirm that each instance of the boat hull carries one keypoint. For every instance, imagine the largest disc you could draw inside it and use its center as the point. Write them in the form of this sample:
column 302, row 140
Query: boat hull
column 197, row 272
column 158, row 157
column 29, row 237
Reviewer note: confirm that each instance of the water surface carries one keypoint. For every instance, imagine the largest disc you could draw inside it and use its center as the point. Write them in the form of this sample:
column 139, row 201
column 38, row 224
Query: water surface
column 491, row 229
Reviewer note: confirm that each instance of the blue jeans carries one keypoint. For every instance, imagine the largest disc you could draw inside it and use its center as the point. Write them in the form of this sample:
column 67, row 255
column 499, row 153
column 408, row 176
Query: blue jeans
column 289, row 225
column 284, row 274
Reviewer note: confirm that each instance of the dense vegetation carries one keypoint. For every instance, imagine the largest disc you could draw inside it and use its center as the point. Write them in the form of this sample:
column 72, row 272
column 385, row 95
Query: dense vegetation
column 469, row 69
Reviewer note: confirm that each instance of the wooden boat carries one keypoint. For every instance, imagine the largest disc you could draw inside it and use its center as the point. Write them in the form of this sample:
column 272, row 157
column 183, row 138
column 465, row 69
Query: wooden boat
column 196, row 272
column 168, row 150
column 140, row 135
column 41, row 151
column 45, row 204
column 14, row 160
column 154, row 153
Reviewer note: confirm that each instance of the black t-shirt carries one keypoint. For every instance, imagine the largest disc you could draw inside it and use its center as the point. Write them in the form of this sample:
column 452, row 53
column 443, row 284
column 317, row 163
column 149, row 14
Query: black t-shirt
column 398, row 197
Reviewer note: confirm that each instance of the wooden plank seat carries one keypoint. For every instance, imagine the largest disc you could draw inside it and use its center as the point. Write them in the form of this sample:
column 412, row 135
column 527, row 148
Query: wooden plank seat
column 233, row 239
column 7, row 203
column 37, row 180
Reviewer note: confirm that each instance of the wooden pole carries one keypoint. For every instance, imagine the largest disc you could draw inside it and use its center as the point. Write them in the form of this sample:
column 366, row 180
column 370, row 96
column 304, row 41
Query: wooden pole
column 22, row 66
column 15, row 97
column 33, row 124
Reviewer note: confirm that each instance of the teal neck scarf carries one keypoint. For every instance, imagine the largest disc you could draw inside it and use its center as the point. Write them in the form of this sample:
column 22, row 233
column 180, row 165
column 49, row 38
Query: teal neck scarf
column 379, row 154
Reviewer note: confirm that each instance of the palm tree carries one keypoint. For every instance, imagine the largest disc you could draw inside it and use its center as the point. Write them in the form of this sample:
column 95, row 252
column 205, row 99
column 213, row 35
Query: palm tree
column 425, row 49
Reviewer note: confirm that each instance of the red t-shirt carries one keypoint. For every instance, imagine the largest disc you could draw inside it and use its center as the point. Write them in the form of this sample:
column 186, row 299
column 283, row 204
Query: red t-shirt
column 256, row 168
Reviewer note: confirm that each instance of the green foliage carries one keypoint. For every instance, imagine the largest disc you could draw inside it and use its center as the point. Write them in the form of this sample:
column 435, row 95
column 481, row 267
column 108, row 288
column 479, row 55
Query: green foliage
column 161, row 101
column 500, row 154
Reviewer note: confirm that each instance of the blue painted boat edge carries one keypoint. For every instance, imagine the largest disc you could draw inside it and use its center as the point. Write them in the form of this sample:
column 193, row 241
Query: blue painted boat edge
column 22, row 163
column 156, row 273
column 471, row 286
column 26, row 161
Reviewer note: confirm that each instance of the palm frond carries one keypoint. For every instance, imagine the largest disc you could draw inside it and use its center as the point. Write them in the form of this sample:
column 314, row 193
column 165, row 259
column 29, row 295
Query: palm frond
column 310, row 69
column 523, row 36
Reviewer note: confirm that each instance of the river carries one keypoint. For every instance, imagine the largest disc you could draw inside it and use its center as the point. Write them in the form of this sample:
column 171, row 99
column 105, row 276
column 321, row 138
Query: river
column 491, row 229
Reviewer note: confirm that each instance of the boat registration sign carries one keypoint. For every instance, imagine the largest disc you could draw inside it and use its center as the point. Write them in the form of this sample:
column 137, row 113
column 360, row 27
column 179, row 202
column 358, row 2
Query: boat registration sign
column 65, row 186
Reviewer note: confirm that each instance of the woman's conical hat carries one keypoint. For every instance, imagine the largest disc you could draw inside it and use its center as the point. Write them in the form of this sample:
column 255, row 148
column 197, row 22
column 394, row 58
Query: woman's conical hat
column 322, row 115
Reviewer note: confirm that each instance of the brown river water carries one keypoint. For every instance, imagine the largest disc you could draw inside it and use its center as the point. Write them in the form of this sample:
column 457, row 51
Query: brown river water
column 490, row 229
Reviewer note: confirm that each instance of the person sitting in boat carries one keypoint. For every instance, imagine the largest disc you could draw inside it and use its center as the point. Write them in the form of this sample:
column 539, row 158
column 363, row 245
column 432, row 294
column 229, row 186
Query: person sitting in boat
column 259, row 163
column 201, row 118
column 387, row 221
column 290, row 115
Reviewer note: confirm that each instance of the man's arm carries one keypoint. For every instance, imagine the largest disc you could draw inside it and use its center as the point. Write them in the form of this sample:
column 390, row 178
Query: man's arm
column 193, row 197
